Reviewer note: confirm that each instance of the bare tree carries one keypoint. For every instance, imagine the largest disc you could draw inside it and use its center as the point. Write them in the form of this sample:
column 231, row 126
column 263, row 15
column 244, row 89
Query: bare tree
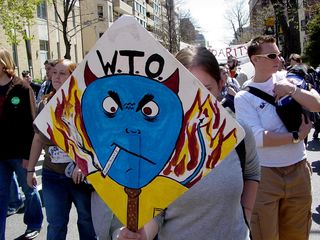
column 172, row 23
column 177, row 25
column 64, row 10
column 238, row 18
column 188, row 26
column 64, row 16
column 187, row 30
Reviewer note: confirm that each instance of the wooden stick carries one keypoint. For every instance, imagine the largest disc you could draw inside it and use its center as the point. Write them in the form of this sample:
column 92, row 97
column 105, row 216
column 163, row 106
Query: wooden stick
column 132, row 208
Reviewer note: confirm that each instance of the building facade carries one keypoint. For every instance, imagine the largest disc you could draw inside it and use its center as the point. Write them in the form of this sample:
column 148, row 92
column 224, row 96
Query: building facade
column 263, row 19
column 96, row 17
column 46, row 40
column 87, row 22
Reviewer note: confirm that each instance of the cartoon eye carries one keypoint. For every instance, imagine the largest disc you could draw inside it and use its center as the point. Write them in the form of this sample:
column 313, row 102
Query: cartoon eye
column 110, row 105
column 151, row 109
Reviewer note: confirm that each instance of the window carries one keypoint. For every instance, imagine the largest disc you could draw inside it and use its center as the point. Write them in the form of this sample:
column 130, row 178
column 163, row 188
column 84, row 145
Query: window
column 42, row 10
column 73, row 18
column 44, row 45
column 110, row 14
column 56, row 18
column 140, row 9
column 58, row 49
column 44, row 48
column 76, row 53
column 100, row 11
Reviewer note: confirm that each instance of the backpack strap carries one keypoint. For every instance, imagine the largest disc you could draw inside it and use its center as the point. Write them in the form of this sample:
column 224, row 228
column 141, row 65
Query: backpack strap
column 261, row 94
column 241, row 151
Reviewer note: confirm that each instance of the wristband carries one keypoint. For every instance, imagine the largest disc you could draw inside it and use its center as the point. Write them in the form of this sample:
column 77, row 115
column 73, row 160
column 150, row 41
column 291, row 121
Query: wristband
column 31, row 171
column 293, row 91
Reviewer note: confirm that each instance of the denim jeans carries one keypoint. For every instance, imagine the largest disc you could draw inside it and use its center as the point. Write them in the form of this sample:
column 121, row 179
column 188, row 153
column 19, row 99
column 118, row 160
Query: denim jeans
column 59, row 192
column 33, row 213
column 15, row 198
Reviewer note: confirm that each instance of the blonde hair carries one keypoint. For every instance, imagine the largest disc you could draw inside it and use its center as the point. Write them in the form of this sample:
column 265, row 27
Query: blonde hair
column 71, row 65
column 7, row 61
column 295, row 57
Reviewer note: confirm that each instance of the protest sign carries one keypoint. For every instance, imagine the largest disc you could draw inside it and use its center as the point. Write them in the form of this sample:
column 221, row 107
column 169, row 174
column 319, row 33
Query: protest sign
column 140, row 126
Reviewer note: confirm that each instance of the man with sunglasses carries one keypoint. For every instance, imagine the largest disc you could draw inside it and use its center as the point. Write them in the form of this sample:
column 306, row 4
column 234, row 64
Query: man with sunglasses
column 283, row 205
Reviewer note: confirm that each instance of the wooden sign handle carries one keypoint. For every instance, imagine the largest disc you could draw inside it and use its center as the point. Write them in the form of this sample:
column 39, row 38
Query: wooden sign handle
column 132, row 208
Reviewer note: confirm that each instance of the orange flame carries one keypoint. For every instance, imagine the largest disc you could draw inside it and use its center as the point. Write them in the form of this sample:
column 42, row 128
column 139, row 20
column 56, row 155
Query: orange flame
column 68, row 131
column 187, row 155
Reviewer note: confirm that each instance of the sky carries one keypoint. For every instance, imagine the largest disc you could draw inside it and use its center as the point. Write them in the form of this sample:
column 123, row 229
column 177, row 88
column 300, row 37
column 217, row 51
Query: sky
column 210, row 16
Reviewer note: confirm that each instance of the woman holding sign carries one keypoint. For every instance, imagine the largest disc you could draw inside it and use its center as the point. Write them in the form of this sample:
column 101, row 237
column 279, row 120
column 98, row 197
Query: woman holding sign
column 60, row 191
column 220, row 205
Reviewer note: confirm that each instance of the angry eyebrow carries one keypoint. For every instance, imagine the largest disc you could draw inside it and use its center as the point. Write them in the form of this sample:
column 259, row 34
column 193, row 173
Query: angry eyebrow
column 116, row 98
column 146, row 98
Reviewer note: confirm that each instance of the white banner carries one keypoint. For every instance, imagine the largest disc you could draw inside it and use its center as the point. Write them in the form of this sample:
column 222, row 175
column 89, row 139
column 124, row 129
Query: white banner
column 237, row 51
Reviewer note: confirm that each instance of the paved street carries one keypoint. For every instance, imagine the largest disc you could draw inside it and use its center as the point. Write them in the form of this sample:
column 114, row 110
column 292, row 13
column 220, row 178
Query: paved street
column 15, row 226
column 314, row 159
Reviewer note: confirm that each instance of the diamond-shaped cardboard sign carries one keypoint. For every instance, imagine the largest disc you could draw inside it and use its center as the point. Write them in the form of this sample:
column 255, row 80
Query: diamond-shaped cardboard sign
column 138, row 124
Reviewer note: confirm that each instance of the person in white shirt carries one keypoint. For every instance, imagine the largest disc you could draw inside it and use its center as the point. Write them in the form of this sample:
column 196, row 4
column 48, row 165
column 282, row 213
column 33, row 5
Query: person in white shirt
column 283, row 205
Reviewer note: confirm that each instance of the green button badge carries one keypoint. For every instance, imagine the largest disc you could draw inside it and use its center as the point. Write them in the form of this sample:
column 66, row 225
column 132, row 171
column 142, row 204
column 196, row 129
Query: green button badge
column 15, row 100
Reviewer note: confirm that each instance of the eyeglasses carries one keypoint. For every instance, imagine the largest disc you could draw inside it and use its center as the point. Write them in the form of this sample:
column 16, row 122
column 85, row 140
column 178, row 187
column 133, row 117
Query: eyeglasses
column 269, row 55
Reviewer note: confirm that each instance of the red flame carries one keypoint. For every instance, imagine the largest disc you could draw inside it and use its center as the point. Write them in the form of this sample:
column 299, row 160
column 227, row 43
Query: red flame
column 67, row 124
column 186, row 158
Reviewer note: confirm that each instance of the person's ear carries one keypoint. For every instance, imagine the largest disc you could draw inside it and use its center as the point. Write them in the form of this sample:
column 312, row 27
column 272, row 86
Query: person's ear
column 254, row 59
column 220, row 85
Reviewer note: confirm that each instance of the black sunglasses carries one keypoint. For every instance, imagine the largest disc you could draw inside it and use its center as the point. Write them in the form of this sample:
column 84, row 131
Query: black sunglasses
column 269, row 55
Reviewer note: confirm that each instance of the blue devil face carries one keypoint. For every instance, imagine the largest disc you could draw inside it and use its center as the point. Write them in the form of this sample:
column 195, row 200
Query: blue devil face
column 133, row 123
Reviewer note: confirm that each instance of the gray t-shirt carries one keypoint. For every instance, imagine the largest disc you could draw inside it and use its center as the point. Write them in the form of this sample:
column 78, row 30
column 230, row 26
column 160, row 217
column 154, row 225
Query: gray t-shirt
column 211, row 209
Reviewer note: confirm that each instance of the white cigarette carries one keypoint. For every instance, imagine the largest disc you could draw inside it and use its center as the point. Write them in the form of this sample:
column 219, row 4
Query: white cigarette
column 113, row 156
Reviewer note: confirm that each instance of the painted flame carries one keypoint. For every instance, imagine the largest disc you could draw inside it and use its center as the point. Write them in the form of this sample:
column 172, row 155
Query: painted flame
column 68, row 130
column 187, row 155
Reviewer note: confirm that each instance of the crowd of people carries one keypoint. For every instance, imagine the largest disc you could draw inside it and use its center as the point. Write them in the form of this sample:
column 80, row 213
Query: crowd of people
column 269, row 198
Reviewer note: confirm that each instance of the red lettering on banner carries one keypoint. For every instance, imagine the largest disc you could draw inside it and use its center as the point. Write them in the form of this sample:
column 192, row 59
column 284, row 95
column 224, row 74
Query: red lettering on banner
column 214, row 52
column 221, row 53
column 238, row 51
column 228, row 50
column 241, row 48
column 235, row 52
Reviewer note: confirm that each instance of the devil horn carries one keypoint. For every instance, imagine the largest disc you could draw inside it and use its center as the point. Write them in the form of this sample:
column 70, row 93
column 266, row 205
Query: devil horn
column 172, row 82
column 89, row 76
